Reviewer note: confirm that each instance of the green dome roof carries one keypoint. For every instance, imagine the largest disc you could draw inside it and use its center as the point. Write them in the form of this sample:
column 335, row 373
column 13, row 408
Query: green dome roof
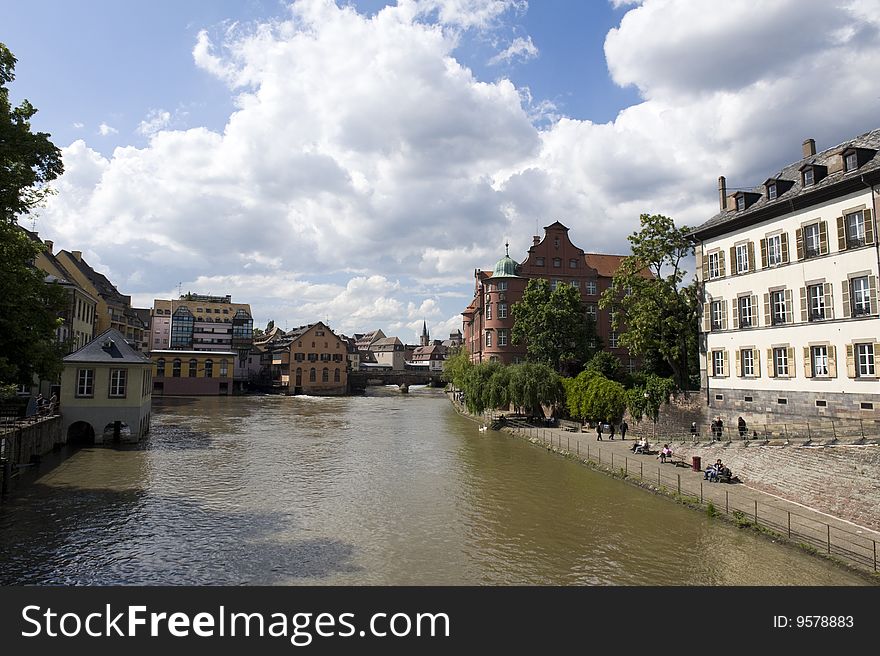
column 505, row 268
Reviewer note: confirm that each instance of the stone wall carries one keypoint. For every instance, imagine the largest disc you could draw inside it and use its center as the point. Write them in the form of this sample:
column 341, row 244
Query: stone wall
column 26, row 442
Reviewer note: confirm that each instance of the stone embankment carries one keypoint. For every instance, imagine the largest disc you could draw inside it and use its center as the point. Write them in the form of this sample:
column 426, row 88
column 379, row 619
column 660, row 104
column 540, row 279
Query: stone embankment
column 23, row 443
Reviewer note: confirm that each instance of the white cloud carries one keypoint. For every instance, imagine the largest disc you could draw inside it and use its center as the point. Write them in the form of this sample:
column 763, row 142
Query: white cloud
column 105, row 130
column 79, row 126
column 521, row 49
column 156, row 119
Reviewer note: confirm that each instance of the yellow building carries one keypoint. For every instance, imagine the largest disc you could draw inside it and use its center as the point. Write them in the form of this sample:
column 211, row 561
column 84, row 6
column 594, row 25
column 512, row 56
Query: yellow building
column 106, row 392
column 310, row 360
column 192, row 373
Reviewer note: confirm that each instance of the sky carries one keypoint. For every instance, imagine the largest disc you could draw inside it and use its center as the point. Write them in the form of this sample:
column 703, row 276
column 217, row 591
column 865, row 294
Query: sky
column 354, row 161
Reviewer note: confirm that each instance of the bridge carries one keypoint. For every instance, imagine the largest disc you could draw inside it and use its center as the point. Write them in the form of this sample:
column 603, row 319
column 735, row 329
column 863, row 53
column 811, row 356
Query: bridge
column 359, row 380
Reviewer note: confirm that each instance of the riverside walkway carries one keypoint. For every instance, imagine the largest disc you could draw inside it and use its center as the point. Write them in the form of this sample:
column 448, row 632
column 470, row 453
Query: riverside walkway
column 798, row 523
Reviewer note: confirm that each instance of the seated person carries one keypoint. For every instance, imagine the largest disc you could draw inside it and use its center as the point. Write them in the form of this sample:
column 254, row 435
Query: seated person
column 640, row 446
column 724, row 474
column 665, row 453
column 711, row 473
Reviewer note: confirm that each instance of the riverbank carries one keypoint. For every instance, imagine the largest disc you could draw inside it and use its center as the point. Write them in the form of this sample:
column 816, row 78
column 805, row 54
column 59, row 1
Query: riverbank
column 839, row 539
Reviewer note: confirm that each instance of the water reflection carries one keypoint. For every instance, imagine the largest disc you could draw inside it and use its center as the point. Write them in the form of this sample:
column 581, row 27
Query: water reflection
column 382, row 489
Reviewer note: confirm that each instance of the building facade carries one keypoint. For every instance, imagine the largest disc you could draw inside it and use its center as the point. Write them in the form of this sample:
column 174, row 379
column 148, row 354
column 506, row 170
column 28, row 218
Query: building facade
column 106, row 392
column 789, row 274
column 488, row 320
column 310, row 360
column 192, row 373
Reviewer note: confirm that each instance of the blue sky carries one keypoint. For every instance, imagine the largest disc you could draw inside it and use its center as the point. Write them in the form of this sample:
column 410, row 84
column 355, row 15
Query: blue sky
column 355, row 162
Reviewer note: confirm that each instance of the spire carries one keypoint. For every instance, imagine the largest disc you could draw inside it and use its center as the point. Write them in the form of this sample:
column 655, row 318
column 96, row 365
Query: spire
column 425, row 338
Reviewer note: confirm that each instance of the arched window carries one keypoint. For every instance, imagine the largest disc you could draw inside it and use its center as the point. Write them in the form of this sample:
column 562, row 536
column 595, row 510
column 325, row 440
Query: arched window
column 175, row 368
column 209, row 368
column 224, row 371
column 312, row 375
column 325, row 375
column 299, row 376
column 193, row 367
column 160, row 367
column 336, row 375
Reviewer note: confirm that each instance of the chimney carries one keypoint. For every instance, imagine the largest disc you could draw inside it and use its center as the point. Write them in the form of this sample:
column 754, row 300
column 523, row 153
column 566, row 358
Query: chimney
column 536, row 240
column 49, row 245
column 77, row 255
column 809, row 148
column 722, row 192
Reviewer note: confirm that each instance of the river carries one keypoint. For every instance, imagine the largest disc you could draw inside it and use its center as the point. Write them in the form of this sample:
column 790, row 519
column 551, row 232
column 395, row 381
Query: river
column 385, row 488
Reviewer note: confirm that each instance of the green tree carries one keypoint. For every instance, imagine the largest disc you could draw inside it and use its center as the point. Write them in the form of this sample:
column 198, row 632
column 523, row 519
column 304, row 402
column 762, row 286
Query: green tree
column 593, row 397
column 533, row 385
column 647, row 397
column 456, row 367
column 658, row 321
column 28, row 316
column 554, row 326
column 608, row 365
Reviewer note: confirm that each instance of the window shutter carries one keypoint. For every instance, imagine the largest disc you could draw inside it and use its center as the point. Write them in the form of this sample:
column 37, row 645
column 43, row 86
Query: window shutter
column 703, row 265
column 869, row 227
column 756, row 319
column 792, row 365
column 841, row 234
column 789, row 306
column 723, row 315
column 735, row 312
column 757, row 355
column 751, row 256
column 847, row 310
column 764, row 254
column 767, row 317
column 771, row 364
column 850, row 361
column 832, row 361
column 876, row 359
column 872, row 281
column 799, row 239
column 721, row 272
column 738, row 364
column 829, row 301
column 804, row 314
column 734, row 266
column 808, row 362
column 725, row 364
column 707, row 317
column 784, row 243
column 823, row 237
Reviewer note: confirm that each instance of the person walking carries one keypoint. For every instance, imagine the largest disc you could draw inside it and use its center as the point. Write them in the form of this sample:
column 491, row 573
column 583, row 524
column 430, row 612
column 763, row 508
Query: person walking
column 623, row 428
column 599, row 431
column 611, row 430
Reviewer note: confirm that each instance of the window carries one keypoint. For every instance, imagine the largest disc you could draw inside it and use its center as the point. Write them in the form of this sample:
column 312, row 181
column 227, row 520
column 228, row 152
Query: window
column 325, row 375
column 774, row 250
column 488, row 338
column 809, row 177
column 851, row 163
column 502, row 337
column 502, row 285
column 714, row 265
column 85, row 382
column 819, row 356
column 740, row 203
column 299, row 357
column 576, row 284
column 591, row 287
column 539, row 261
column 557, row 262
column 488, row 311
column 861, row 296
column 160, row 367
column 572, row 263
column 812, row 240
column 745, row 311
column 742, row 258
column 502, row 310
column 117, row 383
column 855, row 229
column 865, row 360
column 613, row 339
column 780, row 361
column 336, row 375
column 771, row 192
column 175, row 368
column 816, row 302
column 747, row 362
column 591, row 311
column 777, row 302
column 209, row 368
column 313, row 375
column 193, row 367
column 224, row 371
column 717, row 315
column 717, row 363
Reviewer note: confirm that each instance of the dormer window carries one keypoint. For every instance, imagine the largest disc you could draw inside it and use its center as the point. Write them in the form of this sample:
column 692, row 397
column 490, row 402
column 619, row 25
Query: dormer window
column 809, row 177
column 851, row 161
column 771, row 191
column 745, row 199
column 740, row 203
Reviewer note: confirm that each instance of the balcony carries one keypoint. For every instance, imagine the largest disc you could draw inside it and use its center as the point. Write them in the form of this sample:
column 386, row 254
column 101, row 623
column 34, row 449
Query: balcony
column 811, row 251
column 861, row 310
column 855, row 242
column 716, row 325
column 777, row 320
column 817, row 315
column 745, row 323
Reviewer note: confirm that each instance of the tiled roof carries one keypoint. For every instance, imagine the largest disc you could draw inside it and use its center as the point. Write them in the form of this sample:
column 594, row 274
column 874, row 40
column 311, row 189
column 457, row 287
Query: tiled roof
column 108, row 347
column 792, row 173
column 605, row 265
column 105, row 288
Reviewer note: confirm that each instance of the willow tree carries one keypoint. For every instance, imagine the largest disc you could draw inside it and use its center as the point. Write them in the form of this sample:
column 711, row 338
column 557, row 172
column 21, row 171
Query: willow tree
column 654, row 311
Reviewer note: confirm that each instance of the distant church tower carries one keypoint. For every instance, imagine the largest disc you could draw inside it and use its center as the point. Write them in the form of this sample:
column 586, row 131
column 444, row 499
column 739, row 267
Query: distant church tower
column 425, row 337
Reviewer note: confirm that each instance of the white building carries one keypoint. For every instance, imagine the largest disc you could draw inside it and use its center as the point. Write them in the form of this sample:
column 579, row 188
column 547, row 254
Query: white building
column 789, row 272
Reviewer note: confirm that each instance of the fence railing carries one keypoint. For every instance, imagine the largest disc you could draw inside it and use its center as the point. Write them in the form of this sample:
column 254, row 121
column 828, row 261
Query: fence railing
column 833, row 540
column 813, row 430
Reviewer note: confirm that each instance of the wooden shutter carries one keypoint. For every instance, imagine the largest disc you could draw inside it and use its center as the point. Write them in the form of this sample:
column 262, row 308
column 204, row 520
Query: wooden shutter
column 734, row 266
column 723, row 315
column 756, row 315
column 734, row 309
column 751, row 256
column 764, row 259
column 721, row 272
column 784, row 243
column 804, row 312
column 808, row 362
column 725, row 364
column 707, row 317
column 702, row 264
column 847, row 310
column 823, row 237
column 841, row 234
column 738, row 364
column 850, row 361
column 789, row 306
column 829, row 300
column 771, row 364
column 792, row 364
column 872, row 282
column 768, row 318
column 869, row 227
column 832, row 361
column 799, row 240
column 756, row 354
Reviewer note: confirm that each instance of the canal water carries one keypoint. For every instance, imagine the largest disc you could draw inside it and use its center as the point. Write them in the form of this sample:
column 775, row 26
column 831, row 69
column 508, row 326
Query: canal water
column 380, row 489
